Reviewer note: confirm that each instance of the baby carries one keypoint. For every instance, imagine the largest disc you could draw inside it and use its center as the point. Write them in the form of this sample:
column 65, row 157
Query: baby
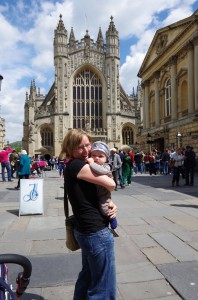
column 98, row 164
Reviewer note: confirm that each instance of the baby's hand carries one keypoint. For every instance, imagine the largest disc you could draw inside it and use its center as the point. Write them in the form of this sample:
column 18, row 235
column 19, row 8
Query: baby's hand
column 90, row 160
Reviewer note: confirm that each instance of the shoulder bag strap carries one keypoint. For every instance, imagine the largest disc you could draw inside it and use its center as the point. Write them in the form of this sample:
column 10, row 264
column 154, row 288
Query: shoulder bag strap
column 66, row 205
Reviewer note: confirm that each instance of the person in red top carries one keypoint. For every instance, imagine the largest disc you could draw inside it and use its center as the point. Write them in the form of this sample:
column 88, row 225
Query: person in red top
column 5, row 164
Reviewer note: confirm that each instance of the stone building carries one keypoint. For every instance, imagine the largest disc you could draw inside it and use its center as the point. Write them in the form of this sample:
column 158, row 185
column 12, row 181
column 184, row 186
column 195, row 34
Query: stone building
column 169, row 76
column 86, row 94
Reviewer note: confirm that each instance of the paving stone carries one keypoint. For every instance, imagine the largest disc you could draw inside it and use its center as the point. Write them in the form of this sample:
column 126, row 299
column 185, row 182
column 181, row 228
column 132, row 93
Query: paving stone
column 139, row 229
column 40, row 222
column 18, row 247
column 183, row 277
column 6, row 220
column 58, row 292
column 48, row 247
column 51, row 270
column 162, row 224
column 156, row 211
column 131, row 221
column 36, row 235
column 194, row 245
column 156, row 289
column 20, row 224
column 126, row 246
column 188, row 236
column 137, row 272
column 52, row 212
column 175, row 246
column 158, row 255
column 143, row 240
column 33, row 294
column 185, row 221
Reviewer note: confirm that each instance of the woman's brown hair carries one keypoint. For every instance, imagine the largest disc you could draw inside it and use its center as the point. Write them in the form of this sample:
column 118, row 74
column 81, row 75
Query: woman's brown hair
column 71, row 141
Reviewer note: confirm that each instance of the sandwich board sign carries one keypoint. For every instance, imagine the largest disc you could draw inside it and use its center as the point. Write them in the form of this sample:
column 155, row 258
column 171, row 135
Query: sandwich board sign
column 31, row 196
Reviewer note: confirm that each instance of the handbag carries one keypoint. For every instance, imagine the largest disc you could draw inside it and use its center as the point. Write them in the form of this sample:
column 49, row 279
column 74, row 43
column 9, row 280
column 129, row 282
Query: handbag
column 71, row 242
column 171, row 164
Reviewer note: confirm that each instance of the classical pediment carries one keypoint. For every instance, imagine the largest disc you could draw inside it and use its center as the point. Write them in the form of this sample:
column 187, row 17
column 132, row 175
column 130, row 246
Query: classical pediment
column 164, row 39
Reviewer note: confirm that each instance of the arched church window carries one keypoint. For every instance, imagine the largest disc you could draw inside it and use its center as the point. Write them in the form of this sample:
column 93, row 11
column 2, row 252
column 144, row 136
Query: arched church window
column 47, row 137
column 127, row 136
column 87, row 101
column 168, row 98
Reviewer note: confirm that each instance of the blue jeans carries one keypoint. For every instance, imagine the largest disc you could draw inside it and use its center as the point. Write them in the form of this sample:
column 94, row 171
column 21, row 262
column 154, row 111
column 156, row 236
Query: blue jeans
column 120, row 177
column 165, row 167
column 97, row 279
column 6, row 165
column 189, row 175
column 139, row 166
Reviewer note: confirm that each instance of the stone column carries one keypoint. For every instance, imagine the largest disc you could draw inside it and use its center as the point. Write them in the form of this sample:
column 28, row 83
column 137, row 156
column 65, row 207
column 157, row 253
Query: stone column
column 143, row 104
column 195, row 42
column 147, row 105
column 172, row 63
column 157, row 104
column 190, row 54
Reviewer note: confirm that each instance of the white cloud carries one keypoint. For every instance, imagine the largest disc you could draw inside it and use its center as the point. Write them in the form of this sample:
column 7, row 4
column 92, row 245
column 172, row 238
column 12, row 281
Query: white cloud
column 27, row 32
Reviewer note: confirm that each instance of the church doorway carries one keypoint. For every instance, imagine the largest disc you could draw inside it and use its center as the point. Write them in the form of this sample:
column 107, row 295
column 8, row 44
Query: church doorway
column 127, row 136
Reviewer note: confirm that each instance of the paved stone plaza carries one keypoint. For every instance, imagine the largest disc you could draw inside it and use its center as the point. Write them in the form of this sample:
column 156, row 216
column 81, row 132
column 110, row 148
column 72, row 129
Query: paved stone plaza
column 156, row 252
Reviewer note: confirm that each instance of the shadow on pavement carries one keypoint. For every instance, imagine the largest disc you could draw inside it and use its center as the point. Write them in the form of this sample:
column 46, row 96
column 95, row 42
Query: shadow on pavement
column 165, row 182
column 183, row 205
column 27, row 296
column 13, row 211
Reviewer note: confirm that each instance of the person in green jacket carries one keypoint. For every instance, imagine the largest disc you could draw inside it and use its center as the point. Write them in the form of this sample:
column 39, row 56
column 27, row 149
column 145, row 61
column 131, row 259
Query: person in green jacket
column 127, row 169
column 24, row 167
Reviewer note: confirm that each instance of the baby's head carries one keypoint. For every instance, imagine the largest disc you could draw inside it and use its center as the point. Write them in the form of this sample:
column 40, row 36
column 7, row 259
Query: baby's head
column 100, row 152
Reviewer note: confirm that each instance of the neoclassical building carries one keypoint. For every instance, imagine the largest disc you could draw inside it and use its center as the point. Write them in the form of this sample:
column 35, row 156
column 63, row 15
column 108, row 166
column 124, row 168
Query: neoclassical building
column 169, row 76
column 86, row 94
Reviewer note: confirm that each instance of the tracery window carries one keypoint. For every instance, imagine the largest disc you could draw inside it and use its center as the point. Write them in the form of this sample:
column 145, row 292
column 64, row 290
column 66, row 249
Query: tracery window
column 127, row 136
column 168, row 98
column 46, row 137
column 87, row 100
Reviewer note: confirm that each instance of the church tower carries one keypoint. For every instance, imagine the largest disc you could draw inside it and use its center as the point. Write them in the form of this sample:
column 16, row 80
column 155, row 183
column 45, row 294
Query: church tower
column 112, row 64
column 60, row 85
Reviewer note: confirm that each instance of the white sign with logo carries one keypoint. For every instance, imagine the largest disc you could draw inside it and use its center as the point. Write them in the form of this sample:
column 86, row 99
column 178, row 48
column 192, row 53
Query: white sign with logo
column 31, row 196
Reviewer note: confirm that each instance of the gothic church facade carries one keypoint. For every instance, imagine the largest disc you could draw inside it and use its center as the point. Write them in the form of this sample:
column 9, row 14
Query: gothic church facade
column 86, row 94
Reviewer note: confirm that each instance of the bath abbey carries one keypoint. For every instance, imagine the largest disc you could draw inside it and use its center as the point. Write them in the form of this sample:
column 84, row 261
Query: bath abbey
column 86, row 94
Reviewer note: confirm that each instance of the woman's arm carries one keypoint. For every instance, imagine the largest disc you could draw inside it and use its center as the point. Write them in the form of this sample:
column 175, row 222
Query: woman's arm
column 103, row 180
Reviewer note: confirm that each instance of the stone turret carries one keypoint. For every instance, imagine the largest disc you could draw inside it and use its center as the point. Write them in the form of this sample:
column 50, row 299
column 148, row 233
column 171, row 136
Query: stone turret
column 100, row 40
column 112, row 41
column 72, row 39
column 61, row 64
column 60, row 40
column 32, row 96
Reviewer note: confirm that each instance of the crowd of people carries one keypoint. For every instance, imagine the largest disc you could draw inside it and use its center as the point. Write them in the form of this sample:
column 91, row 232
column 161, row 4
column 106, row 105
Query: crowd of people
column 21, row 166
column 179, row 162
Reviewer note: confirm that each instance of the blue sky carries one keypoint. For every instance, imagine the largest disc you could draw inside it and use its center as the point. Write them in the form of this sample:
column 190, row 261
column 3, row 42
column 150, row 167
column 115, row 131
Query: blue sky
column 27, row 32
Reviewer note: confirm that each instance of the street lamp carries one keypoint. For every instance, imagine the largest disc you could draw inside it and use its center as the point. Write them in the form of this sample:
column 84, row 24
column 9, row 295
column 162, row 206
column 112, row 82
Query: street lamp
column 149, row 141
column 179, row 139
column 1, row 78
